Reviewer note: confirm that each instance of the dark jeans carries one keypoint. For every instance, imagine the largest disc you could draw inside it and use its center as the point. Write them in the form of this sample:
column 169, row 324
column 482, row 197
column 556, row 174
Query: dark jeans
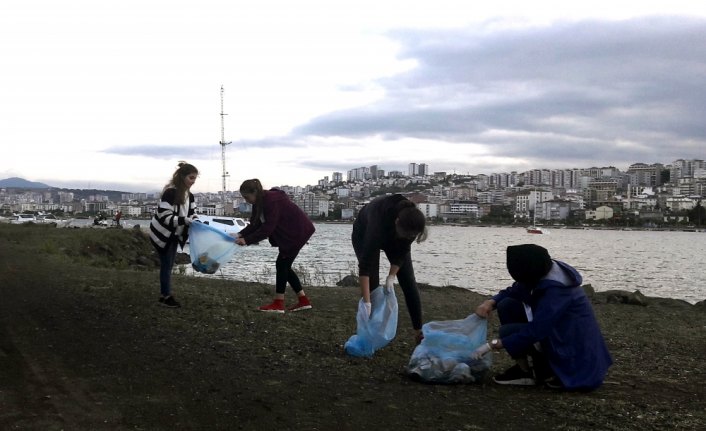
column 513, row 318
column 285, row 274
column 166, row 263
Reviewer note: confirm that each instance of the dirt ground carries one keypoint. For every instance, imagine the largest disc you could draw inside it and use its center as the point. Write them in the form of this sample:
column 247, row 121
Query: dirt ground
column 84, row 347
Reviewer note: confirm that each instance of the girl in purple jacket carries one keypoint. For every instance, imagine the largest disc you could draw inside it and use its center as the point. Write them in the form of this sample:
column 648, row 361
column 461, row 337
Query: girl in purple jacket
column 276, row 217
column 546, row 316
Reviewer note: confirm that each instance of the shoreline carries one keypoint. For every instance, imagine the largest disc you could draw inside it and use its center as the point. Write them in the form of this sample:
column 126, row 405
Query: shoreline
column 690, row 229
column 316, row 273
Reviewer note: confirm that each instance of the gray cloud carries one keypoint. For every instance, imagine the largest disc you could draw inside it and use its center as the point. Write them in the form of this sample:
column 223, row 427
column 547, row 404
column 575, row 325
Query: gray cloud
column 160, row 151
column 576, row 94
column 199, row 151
column 584, row 92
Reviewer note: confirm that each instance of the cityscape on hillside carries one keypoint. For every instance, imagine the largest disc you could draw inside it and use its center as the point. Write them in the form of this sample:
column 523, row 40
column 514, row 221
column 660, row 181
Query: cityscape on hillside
column 646, row 195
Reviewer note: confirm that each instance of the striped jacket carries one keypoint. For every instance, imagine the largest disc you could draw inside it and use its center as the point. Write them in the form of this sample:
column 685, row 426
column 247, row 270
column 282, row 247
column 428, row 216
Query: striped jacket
column 169, row 221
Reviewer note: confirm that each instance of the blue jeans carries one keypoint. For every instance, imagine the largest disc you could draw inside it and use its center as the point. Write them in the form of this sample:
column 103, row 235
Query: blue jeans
column 166, row 263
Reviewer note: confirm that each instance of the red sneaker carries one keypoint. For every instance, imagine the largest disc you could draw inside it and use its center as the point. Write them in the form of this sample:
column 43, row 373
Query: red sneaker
column 302, row 304
column 277, row 306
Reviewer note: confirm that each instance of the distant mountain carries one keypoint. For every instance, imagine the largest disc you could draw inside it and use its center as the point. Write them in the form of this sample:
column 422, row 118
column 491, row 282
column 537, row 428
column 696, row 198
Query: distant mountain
column 21, row 183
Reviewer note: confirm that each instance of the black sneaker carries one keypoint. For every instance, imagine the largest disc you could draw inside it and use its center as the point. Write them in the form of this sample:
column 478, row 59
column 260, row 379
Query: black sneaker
column 553, row 383
column 515, row 376
column 169, row 301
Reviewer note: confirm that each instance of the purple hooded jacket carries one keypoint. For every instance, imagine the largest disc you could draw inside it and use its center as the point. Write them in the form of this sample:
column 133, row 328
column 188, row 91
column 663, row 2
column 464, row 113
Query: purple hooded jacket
column 285, row 224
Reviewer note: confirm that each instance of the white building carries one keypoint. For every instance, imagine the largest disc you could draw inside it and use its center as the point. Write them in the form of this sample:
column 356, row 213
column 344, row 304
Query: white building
column 428, row 209
column 600, row 213
column 680, row 203
column 554, row 210
column 463, row 208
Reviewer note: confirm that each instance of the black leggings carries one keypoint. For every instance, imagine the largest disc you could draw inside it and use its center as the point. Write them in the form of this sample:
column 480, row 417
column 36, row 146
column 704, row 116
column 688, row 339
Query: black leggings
column 285, row 274
column 408, row 284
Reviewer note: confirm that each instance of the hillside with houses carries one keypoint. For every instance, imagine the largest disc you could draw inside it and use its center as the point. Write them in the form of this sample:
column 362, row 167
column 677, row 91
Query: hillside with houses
column 644, row 195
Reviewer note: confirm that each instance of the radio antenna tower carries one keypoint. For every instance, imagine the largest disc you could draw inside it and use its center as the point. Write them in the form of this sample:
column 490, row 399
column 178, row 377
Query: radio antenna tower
column 223, row 152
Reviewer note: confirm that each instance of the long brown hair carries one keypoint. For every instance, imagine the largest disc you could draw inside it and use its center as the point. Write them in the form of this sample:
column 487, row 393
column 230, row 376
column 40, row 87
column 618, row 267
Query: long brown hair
column 178, row 181
column 254, row 187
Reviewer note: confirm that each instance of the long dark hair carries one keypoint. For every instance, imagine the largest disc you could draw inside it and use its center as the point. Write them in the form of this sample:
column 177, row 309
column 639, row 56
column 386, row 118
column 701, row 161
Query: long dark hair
column 178, row 181
column 411, row 219
column 254, row 187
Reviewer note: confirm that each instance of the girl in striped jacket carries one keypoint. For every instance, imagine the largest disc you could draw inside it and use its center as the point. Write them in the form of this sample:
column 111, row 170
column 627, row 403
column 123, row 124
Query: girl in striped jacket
column 170, row 225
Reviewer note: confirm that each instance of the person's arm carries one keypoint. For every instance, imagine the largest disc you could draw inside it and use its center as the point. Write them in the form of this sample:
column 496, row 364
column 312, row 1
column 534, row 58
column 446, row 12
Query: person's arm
column 165, row 210
column 394, row 269
column 369, row 226
column 365, row 288
column 371, row 244
column 191, row 211
column 495, row 344
column 365, row 293
column 486, row 308
column 272, row 213
column 249, row 227
column 390, row 280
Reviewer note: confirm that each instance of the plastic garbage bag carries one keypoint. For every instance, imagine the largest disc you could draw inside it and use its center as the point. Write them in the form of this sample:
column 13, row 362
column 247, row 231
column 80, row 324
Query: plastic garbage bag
column 444, row 355
column 377, row 331
column 209, row 247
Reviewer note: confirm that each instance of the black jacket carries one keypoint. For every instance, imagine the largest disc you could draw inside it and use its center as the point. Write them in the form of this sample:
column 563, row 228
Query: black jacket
column 374, row 230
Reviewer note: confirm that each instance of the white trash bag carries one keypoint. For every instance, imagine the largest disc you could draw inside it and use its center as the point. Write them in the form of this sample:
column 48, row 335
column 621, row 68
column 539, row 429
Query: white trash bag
column 375, row 332
column 209, row 247
column 444, row 355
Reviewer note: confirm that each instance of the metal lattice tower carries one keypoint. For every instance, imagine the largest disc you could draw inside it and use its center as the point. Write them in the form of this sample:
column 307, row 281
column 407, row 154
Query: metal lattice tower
column 223, row 152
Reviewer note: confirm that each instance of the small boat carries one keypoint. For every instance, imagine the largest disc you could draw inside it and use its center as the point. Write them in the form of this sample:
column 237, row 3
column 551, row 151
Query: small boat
column 534, row 229
column 229, row 225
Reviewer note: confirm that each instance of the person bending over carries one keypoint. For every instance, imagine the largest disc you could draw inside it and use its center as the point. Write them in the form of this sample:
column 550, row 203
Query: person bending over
column 391, row 224
column 276, row 217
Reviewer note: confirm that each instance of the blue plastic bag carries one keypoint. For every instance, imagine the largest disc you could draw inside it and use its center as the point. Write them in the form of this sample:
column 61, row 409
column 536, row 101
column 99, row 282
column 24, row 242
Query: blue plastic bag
column 209, row 247
column 444, row 355
column 377, row 331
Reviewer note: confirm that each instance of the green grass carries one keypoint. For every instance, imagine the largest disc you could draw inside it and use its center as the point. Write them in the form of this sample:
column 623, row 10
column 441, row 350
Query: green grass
column 103, row 248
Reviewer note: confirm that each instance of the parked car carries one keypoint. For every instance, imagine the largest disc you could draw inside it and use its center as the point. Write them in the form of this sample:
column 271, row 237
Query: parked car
column 23, row 218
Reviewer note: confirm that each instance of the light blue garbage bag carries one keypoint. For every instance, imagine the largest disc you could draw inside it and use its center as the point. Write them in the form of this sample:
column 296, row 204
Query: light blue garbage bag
column 377, row 331
column 444, row 355
column 209, row 247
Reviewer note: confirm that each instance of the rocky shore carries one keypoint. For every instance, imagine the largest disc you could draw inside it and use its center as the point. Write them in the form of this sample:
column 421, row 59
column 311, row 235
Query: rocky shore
column 84, row 346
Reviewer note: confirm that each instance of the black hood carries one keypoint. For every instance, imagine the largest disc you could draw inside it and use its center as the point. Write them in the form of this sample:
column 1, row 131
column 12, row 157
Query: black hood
column 528, row 263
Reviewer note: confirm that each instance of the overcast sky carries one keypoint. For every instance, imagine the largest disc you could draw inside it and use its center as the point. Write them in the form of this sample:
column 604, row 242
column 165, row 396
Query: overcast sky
column 97, row 94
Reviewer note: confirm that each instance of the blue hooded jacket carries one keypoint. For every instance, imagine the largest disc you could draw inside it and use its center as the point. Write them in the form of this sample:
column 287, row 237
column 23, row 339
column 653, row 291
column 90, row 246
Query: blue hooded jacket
column 564, row 324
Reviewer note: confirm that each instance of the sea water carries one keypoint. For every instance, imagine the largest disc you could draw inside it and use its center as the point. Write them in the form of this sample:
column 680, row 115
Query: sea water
column 658, row 263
